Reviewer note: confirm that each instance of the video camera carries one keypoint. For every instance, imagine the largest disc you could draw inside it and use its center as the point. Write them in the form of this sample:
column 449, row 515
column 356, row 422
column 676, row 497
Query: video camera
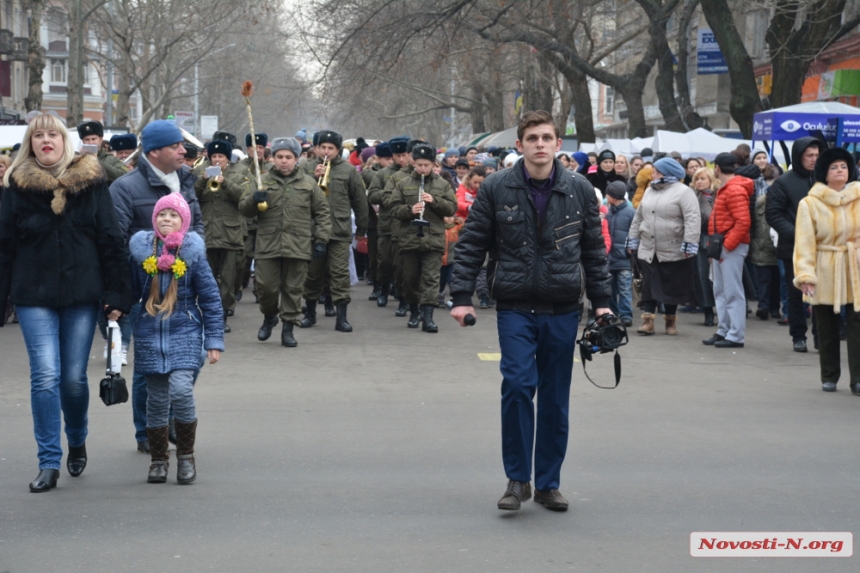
column 601, row 335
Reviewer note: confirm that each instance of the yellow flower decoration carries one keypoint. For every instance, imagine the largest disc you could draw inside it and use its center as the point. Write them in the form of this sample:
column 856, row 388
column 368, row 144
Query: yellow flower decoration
column 179, row 268
column 150, row 266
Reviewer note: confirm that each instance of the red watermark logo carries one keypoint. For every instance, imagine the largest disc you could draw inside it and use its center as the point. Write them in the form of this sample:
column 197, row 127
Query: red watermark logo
column 771, row 544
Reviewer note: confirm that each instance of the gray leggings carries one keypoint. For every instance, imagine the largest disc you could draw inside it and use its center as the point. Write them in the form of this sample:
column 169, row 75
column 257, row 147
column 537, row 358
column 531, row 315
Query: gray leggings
column 164, row 390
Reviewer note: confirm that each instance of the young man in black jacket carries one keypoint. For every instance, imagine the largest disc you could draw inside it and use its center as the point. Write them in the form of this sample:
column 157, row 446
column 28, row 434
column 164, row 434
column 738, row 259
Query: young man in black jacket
column 783, row 198
column 542, row 229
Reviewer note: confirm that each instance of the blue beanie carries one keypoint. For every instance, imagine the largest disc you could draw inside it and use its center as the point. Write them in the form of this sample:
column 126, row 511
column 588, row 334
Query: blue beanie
column 582, row 160
column 452, row 153
column 160, row 133
column 668, row 166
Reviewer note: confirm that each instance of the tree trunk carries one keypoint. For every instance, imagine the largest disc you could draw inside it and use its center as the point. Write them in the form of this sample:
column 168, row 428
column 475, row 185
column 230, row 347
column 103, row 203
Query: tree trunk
column 477, row 113
column 636, row 126
column 685, row 103
column 35, row 56
column 76, row 63
column 744, row 102
column 583, row 116
column 793, row 48
column 665, row 81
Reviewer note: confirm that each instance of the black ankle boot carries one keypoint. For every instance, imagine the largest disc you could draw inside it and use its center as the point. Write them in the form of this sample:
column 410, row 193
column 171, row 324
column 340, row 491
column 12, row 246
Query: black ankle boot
column 709, row 316
column 402, row 309
column 265, row 331
column 342, row 325
column 226, row 326
column 159, row 452
column 382, row 298
column 414, row 316
column 287, row 336
column 76, row 460
column 329, row 307
column 310, row 318
column 377, row 288
column 427, row 317
column 46, row 480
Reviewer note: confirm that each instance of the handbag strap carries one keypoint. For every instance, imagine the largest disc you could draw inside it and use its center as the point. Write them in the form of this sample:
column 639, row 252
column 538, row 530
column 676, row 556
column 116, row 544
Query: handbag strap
column 110, row 350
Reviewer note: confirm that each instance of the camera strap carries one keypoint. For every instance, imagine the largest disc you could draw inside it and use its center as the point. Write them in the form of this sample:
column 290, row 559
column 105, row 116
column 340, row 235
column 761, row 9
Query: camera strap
column 617, row 362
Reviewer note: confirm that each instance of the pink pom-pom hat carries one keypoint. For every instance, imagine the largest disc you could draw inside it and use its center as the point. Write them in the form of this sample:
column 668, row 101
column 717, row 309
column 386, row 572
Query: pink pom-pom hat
column 174, row 240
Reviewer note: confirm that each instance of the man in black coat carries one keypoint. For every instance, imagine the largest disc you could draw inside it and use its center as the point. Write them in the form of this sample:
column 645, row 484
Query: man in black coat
column 781, row 212
column 542, row 229
column 161, row 170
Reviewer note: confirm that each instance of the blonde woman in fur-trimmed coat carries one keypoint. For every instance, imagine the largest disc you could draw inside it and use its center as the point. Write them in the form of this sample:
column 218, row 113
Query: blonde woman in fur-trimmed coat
column 826, row 265
column 61, row 252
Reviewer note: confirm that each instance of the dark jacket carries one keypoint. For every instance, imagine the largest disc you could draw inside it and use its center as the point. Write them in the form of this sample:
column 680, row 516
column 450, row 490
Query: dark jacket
column 113, row 166
column 62, row 249
column 601, row 179
column 405, row 195
column 375, row 196
column 135, row 195
column 368, row 175
column 220, row 209
column 346, row 194
column 784, row 196
column 533, row 267
column 164, row 345
column 619, row 218
column 297, row 217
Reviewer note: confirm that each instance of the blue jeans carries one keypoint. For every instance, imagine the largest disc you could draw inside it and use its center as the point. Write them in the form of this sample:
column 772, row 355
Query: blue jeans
column 537, row 357
column 58, row 342
column 165, row 391
column 621, row 303
column 138, row 386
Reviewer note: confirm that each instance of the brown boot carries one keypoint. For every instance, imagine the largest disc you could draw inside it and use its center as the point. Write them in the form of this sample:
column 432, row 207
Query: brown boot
column 158, row 446
column 671, row 328
column 647, row 327
column 186, row 472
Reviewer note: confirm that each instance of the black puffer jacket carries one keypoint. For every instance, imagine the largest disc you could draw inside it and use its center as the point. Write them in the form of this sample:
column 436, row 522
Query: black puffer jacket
column 785, row 195
column 534, row 267
column 60, row 243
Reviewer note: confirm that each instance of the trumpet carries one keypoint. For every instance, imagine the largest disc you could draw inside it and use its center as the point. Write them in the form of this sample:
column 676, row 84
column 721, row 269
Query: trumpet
column 324, row 178
column 420, row 222
column 127, row 161
column 213, row 185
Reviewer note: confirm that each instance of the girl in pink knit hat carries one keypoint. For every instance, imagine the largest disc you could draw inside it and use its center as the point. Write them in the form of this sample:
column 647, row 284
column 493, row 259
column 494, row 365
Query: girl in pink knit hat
column 179, row 305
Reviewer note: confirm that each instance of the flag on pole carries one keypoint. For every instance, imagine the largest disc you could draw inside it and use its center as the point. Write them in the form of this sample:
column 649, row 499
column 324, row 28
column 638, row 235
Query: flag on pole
column 518, row 102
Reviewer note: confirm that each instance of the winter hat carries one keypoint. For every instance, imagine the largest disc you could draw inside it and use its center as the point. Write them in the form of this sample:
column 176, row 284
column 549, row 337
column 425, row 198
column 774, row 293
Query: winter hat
column 366, row 153
column 262, row 139
column 604, row 155
column 829, row 156
column 452, row 153
column 511, row 159
column 383, row 149
column 291, row 144
column 302, row 135
column 647, row 154
column 670, row 167
column 218, row 146
column 617, row 190
column 174, row 240
column 361, row 144
column 491, row 162
column 460, row 162
column 160, row 133
column 582, row 160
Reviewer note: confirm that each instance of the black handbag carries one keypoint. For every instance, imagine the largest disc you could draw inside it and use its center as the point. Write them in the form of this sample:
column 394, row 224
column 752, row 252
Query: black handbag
column 112, row 388
column 715, row 246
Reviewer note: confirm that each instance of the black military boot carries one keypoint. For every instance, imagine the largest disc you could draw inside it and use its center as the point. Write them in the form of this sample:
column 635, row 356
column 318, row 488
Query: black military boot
column 310, row 318
column 269, row 322
column 287, row 336
column 226, row 326
column 427, row 317
column 342, row 325
column 401, row 310
column 382, row 298
column 329, row 307
column 414, row 316
column 377, row 288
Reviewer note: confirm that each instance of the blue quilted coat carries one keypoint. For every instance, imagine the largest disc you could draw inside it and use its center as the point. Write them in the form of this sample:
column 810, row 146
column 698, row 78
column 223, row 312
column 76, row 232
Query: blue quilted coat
column 163, row 345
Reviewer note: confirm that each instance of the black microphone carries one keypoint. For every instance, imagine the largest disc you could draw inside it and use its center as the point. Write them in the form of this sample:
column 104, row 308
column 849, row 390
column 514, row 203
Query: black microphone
column 469, row 320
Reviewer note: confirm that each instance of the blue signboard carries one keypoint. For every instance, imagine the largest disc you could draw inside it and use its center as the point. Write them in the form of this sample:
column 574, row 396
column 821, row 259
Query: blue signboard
column 709, row 58
column 780, row 126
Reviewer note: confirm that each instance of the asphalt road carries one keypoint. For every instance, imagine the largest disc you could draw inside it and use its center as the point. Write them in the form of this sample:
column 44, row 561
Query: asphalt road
column 379, row 451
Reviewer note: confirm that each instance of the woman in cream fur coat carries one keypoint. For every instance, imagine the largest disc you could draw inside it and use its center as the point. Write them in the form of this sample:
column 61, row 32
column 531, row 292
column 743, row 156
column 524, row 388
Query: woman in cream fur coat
column 826, row 265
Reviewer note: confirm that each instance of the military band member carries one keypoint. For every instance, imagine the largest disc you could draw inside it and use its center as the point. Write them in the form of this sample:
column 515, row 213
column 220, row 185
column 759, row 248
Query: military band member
column 346, row 194
column 262, row 140
column 248, row 162
column 91, row 132
column 396, row 226
column 422, row 245
column 383, row 154
column 225, row 136
column 385, row 244
column 293, row 226
column 223, row 224
column 123, row 145
column 192, row 154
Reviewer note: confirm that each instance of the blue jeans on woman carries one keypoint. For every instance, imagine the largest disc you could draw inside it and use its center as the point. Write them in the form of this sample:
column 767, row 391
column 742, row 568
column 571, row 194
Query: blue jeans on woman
column 58, row 341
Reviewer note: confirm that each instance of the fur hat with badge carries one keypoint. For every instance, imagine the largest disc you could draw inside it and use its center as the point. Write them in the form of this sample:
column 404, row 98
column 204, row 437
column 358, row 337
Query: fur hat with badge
column 90, row 127
column 219, row 146
column 262, row 139
column 332, row 137
column 225, row 136
column 424, row 151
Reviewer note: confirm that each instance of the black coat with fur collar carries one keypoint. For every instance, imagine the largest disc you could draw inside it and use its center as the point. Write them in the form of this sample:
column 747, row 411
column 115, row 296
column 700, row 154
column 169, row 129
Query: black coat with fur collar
column 60, row 242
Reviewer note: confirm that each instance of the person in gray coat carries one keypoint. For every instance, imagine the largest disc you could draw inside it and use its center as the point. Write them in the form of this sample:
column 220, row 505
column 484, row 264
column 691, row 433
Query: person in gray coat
column 160, row 171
